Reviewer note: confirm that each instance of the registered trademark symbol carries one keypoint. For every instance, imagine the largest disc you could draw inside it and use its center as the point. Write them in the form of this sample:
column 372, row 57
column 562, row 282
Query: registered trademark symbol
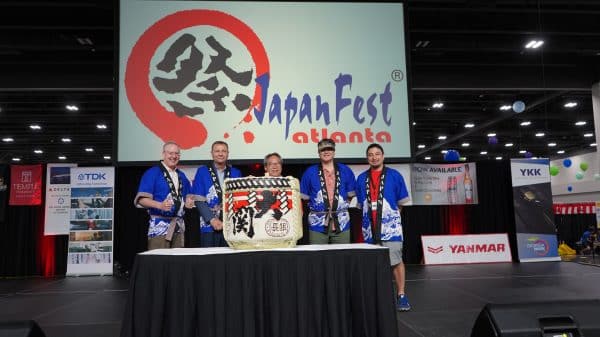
column 397, row 75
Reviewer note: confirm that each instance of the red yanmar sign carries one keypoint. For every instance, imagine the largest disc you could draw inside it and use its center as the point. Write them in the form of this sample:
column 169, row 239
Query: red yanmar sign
column 474, row 248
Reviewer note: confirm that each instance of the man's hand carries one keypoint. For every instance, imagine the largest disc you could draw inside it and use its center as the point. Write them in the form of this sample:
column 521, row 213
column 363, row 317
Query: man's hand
column 167, row 204
column 189, row 202
column 216, row 224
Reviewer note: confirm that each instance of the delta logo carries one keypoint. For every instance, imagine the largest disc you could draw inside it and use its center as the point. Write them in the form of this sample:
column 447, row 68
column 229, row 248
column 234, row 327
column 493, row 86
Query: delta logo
column 540, row 247
column 181, row 76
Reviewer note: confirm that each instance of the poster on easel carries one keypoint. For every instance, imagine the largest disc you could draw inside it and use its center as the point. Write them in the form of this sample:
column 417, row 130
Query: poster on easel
column 91, row 221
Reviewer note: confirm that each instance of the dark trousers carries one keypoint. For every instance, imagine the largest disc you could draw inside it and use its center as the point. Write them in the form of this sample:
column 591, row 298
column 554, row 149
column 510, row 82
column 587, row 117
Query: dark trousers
column 212, row 239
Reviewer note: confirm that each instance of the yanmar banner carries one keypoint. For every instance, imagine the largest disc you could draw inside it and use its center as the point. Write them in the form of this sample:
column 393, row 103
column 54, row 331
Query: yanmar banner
column 262, row 76
column 25, row 185
column 474, row 248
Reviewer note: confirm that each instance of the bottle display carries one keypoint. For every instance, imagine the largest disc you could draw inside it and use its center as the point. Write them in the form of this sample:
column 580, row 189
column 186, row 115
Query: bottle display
column 468, row 186
column 452, row 190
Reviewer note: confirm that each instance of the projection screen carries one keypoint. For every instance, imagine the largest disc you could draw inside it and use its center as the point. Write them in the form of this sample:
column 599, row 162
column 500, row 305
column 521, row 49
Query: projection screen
column 262, row 76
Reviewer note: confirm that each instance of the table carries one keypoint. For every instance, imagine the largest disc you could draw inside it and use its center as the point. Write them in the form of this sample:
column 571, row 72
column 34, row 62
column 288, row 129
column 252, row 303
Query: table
column 312, row 290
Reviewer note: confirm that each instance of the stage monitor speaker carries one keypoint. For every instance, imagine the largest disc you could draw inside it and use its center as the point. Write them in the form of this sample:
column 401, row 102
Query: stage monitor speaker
column 540, row 319
column 21, row 329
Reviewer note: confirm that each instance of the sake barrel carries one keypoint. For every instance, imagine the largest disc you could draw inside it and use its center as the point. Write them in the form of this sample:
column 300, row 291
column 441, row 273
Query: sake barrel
column 262, row 212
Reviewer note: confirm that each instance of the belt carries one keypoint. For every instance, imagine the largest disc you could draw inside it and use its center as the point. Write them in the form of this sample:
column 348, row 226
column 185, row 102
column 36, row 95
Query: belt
column 165, row 217
column 173, row 222
column 331, row 216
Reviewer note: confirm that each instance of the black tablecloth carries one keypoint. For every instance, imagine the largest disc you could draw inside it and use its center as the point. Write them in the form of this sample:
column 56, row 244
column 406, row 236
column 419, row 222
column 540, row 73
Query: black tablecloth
column 332, row 293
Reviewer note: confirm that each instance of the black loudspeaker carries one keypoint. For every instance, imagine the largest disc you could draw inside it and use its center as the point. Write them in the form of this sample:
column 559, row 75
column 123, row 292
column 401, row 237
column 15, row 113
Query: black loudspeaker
column 542, row 319
column 21, row 329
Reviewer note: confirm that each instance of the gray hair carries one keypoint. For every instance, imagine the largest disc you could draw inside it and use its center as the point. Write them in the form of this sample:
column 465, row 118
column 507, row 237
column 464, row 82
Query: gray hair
column 170, row 143
column 273, row 154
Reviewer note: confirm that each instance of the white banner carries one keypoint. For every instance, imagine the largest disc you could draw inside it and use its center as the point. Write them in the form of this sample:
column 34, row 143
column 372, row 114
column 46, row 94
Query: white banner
column 263, row 76
column 58, row 199
column 91, row 221
column 525, row 172
column 444, row 184
column 474, row 248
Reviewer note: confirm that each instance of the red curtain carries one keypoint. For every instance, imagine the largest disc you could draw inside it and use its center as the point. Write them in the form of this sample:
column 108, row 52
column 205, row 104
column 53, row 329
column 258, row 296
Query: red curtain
column 454, row 220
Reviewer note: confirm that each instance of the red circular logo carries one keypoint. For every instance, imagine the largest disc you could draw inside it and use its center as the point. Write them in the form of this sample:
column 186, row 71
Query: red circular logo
column 186, row 131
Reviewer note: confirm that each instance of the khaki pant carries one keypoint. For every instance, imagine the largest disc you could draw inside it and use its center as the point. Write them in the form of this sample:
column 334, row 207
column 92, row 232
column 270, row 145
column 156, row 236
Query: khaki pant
column 159, row 242
column 318, row 238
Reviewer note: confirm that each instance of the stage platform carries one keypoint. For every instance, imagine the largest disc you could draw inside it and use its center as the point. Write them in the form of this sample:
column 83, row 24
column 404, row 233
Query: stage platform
column 445, row 299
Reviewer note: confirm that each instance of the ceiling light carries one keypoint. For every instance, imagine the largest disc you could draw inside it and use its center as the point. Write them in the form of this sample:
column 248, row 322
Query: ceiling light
column 422, row 43
column 469, row 125
column 570, row 104
column 505, row 107
column 483, row 152
column 465, row 144
column 508, row 144
column 66, row 140
column 491, row 135
column 414, row 123
column 560, row 151
column 89, row 149
column 85, row 41
column 107, row 157
column 593, row 144
column 525, row 123
column 441, row 137
column 540, row 134
column 8, row 140
column 38, row 151
column 588, row 134
column 35, row 127
column 71, row 107
column 534, row 44
column 62, row 157
column 427, row 158
column 16, row 159
column 551, row 144
column 580, row 123
column 498, row 158
column 522, row 152
column 421, row 146
column 437, row 105
column 101, row 126
column 444, row 151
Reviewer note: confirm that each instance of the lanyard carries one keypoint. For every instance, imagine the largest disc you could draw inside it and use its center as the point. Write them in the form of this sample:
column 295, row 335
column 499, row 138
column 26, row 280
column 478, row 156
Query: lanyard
column 378, row 209
column 330, row 209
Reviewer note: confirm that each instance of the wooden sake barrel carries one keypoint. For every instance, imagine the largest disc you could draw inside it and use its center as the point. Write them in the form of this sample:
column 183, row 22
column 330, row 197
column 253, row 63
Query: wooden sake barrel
column 262, row 212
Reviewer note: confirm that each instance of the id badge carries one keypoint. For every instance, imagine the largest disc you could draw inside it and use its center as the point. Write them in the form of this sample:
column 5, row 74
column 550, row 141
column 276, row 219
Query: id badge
column 373, row 205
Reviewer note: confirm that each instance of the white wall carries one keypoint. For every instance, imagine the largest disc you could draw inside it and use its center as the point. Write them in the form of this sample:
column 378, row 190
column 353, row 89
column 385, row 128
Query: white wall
column 585, row 189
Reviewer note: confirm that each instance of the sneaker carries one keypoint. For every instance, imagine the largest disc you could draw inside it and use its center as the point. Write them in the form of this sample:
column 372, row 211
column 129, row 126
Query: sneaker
column 402, row 303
